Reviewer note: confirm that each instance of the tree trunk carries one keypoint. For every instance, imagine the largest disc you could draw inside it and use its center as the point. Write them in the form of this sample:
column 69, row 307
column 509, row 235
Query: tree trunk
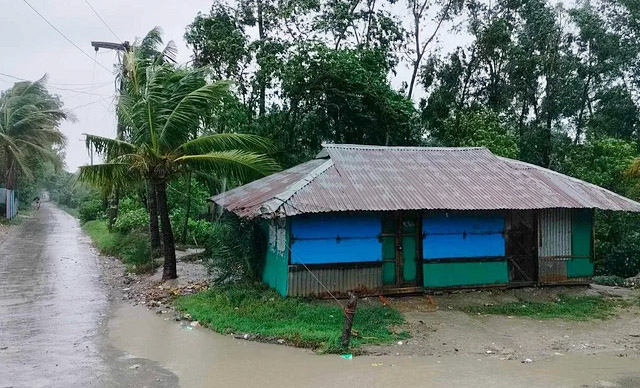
column 349, row 314
column 186, row 210
column 154, row 226
column 11, row 173
column 169, row 271
column 261, row 36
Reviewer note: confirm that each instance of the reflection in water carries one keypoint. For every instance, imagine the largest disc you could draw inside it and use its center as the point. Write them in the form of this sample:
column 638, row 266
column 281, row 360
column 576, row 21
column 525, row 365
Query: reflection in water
column 202, row 359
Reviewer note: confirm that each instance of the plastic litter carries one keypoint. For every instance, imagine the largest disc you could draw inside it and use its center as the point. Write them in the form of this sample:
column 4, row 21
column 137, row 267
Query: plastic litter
column 347, row 356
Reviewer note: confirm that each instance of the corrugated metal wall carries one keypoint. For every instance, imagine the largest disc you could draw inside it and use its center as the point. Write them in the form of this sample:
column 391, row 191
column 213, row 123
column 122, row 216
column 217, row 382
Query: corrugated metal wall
column 9, row 203
column 337, row 280
column 276, row 260
column 554, row 244
column 336, row 238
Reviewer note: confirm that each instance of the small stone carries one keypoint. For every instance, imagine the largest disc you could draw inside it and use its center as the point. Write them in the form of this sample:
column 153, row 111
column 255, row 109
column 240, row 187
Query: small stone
column 195, row 324
column 280, row 341
column 400, row 342
column 246, row 336
column 134, row 366
column 187, row 316
column 527, row 361
column 489, row 352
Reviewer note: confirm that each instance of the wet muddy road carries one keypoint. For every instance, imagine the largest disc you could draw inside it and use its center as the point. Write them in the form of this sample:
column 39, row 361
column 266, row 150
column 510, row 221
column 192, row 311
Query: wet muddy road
column 59, row 328
column 54, row 309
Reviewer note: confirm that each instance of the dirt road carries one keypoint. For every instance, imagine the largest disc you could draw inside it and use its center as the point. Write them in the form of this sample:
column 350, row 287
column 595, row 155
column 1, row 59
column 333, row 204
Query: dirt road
column 53, row 312
column 61, row 326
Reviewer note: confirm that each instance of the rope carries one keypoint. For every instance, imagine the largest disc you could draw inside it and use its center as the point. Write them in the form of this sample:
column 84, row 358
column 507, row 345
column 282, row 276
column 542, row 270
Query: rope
column 318, row 280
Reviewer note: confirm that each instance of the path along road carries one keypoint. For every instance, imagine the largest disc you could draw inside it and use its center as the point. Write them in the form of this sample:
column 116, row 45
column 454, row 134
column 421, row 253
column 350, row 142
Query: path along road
column 54, row 309
column 59, row 328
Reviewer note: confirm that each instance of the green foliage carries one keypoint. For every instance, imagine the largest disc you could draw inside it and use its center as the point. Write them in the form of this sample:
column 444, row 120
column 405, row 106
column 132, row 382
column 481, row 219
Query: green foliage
column 617, row 245
column 609, row 280
column 235, row 248
column 90, row 210
column 259, row 311
column 132, row 248
column 481, row 128
column 573, row 308
column 129, row 220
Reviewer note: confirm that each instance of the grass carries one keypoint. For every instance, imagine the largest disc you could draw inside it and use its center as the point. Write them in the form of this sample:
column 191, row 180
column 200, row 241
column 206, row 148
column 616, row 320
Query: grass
column 574, row 308
column 74, row 212
column 132, row 248
column 259, row 311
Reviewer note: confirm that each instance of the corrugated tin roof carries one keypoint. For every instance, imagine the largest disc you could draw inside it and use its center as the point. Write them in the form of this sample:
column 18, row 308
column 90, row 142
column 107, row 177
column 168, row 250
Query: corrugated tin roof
column 372, row 178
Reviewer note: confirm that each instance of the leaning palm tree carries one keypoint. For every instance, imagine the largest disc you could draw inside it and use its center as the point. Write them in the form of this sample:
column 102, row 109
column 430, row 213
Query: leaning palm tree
column 162, row 118
column 29, row 120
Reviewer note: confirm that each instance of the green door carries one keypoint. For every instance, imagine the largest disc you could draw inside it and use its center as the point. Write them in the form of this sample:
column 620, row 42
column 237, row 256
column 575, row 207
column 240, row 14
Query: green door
column 400, row 259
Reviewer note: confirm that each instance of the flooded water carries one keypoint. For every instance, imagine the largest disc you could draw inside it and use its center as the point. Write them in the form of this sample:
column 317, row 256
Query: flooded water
column 203, row 359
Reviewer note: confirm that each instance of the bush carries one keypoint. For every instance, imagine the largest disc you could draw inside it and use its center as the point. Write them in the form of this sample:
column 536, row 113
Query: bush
column 617, row 246
column 609, row 280
column 131, row 219
column 200, row 230
column 235, row 249
column 132, row 248
column 90, row 210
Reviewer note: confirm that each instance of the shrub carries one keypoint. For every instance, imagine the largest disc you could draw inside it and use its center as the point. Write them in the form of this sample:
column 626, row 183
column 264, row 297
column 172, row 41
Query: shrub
column 200, row 230
column 235, row 249
column 90, row 210
column 131, row 219
column 609, row 280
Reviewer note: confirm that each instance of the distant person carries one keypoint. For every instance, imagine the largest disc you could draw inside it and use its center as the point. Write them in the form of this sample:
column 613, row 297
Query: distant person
column 36, row 203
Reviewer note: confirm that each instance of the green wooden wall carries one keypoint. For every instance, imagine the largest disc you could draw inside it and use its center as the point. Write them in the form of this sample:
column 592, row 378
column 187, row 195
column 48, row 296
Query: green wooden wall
column 453, row 274
column 580, row 264
column 276, row 261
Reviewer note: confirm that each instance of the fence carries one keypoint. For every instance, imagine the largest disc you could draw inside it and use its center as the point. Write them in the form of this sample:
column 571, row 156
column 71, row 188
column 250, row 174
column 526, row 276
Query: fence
column 8, row 203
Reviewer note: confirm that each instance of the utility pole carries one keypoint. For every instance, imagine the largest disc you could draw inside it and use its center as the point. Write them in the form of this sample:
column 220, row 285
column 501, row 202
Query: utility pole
column 115, row 192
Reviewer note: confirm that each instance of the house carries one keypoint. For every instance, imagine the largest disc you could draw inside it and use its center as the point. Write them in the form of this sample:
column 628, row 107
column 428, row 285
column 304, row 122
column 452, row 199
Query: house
column 8, row 203
column 404, row 219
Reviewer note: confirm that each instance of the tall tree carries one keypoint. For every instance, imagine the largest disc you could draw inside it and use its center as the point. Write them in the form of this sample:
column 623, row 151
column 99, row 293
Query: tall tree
column 29, row 121
column 162, row 117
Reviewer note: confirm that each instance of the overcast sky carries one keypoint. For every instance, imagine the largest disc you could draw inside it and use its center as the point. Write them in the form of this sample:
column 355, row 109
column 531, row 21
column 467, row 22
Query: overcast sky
column 30, row 48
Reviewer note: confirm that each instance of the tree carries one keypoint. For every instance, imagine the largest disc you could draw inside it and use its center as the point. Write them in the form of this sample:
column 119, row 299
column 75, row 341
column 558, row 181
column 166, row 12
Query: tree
column 343, row 96
column 29, row 120
column 478, row 128
column 162, row 119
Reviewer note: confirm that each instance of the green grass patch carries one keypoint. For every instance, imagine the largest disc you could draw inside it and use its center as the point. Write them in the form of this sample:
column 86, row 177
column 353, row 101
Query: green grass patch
column 574, row 308
column 259, row 311
column 73, row 212
column 132, row 248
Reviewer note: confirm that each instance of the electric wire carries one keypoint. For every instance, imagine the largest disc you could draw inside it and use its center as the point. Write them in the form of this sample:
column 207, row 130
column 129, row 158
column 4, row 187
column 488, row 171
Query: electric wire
column 65, row 37
column 102, row 20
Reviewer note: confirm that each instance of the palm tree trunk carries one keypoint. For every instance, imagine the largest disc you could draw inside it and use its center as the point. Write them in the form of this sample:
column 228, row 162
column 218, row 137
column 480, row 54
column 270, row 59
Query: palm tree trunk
column 154, row 226
column 169, row 271
column 186, row 210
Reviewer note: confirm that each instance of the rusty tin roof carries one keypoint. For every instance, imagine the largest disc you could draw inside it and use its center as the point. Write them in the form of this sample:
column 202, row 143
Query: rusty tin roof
column 347, row 177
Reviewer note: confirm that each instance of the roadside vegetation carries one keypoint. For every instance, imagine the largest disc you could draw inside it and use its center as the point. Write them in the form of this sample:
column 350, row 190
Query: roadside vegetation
column 575, row 308
column 263, row 314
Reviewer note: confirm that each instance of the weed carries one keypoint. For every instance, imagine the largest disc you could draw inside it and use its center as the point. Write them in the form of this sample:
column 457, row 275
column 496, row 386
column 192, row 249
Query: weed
column 575, row 308
column 257, row 310
column 132, row 248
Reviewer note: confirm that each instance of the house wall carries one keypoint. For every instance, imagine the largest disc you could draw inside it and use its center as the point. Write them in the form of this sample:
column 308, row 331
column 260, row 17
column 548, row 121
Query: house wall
column 463, row 249
column 276, row 260
column 344, row 251
column 341, row 250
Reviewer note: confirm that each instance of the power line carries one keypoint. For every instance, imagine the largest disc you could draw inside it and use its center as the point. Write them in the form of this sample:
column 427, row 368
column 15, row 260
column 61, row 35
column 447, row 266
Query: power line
column 87, row 85
column 102, row 20
column 65, row 37
column 90, row 92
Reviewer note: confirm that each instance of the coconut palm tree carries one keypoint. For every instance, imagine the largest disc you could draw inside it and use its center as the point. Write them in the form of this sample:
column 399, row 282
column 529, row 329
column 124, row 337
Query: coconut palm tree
column 29, row 119
column 163, row 117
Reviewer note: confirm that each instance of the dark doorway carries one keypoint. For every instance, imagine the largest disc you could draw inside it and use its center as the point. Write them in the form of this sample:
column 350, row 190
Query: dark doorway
column 401, row 232
column 521, row 252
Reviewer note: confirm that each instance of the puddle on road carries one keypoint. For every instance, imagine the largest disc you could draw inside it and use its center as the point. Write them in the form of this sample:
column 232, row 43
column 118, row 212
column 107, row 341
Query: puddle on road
column 204, row 359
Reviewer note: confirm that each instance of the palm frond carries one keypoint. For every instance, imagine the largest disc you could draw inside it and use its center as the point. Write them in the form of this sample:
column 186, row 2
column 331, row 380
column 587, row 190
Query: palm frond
column 110, row 148
column 227, row 142
column 188, row 110
column 107, row 174
column 241, row 165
